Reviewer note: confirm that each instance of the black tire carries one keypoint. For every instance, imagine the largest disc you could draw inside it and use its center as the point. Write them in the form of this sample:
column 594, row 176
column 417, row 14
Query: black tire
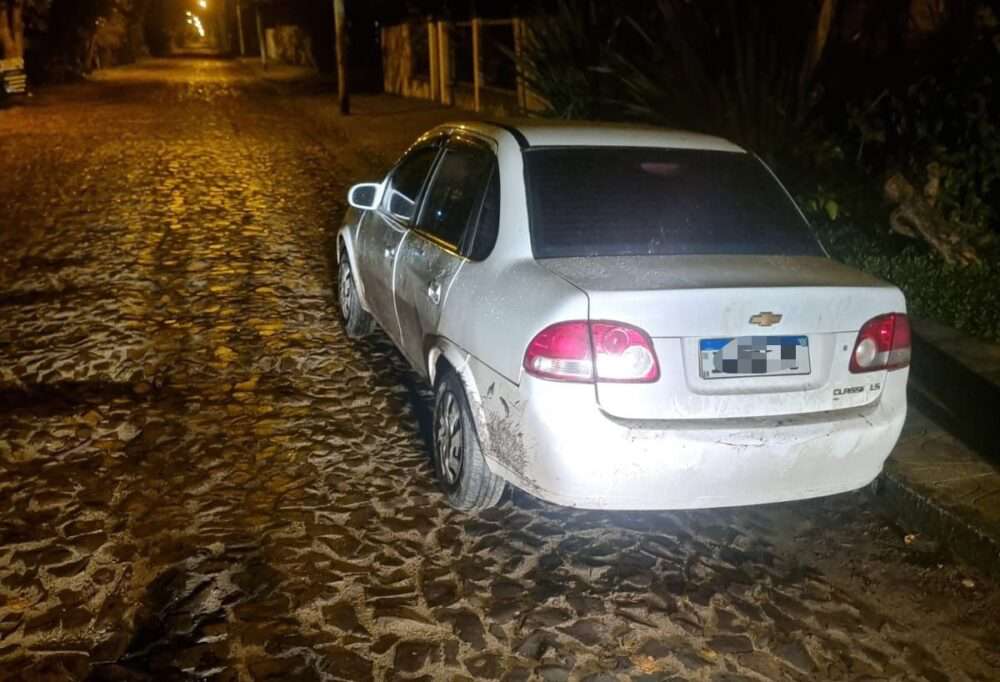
column 468, row 482
column 876, row 487
column 358, row 323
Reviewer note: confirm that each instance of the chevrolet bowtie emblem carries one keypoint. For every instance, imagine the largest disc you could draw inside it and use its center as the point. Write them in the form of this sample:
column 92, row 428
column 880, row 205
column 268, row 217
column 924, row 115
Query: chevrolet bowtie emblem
column 765, row 319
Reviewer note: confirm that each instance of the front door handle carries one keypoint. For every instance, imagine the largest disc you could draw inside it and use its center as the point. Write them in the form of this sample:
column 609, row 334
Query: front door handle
column 390, row 252
column 434, row 292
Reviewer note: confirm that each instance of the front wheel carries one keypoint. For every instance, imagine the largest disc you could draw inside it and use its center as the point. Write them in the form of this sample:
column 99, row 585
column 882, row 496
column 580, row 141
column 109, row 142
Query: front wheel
column 358, row 322
column 458, row 459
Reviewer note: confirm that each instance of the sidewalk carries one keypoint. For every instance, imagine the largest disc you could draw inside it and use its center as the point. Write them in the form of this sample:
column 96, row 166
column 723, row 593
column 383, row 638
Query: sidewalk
column 943, row 478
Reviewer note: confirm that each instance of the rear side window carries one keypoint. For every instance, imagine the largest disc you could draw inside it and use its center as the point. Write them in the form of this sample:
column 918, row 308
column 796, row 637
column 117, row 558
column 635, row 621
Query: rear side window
column 480, row 242
column 406, row 181
column 612, row 201
column 456, row 192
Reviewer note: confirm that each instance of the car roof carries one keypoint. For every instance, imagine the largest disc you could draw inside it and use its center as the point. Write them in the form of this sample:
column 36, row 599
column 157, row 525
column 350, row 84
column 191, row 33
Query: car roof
column 559, row 133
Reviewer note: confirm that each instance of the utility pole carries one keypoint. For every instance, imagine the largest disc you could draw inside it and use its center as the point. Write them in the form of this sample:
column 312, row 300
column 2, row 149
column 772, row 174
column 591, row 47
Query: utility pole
column 340, row 25
column 221, row 16
column 239, row 28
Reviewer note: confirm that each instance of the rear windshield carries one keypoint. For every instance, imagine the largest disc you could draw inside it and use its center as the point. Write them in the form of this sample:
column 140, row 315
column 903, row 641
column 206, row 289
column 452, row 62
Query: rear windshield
column 612, row 201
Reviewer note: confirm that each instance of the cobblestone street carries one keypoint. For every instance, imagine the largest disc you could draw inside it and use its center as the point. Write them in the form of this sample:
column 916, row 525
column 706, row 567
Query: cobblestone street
column 202, row 478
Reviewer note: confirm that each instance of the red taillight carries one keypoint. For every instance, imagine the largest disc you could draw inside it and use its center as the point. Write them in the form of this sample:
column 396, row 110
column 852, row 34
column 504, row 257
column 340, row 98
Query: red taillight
column 585, row 351
column 883, row 343
column 562, row 352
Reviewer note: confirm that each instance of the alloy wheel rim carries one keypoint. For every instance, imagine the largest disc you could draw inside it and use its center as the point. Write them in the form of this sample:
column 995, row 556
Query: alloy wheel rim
column 346, row 291
column 449, row 438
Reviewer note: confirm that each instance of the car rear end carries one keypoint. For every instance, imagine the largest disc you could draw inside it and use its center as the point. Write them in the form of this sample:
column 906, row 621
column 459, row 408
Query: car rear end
column 724, row 361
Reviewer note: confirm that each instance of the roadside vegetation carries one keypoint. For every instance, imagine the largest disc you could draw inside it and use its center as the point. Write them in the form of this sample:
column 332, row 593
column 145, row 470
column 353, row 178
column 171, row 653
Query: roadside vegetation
column 883, row 116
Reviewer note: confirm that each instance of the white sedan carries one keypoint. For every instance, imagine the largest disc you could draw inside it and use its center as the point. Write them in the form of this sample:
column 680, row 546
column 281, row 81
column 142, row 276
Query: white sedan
column 620, row 317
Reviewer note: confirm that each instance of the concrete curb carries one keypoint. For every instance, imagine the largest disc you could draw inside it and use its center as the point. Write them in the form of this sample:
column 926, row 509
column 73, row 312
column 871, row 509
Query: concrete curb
column 924, row 513
column 943, row 478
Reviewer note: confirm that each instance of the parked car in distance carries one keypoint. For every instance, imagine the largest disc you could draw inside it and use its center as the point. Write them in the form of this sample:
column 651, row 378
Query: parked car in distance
column 621, row 317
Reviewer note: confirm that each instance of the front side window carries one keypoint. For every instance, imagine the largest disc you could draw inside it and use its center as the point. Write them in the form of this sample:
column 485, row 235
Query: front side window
column 407, row 180
column 619, row 201
column 456, row 192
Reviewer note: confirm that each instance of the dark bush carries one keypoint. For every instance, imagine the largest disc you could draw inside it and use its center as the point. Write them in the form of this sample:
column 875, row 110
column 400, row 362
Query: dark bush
column 943, row 125
column 565, row 56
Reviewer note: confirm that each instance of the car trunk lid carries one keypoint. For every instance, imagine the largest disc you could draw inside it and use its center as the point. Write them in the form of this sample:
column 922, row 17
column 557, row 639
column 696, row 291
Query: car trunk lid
column 681, row 301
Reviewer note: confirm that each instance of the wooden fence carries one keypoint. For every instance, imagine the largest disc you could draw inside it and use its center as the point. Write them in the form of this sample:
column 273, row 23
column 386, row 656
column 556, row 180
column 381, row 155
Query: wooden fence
column 469, row 64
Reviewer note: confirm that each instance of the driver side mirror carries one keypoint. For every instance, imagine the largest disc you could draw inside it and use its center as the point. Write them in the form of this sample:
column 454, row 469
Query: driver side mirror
column 365, row 195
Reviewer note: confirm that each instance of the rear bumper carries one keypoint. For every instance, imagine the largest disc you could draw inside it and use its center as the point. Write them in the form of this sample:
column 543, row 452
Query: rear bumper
column 571, row 453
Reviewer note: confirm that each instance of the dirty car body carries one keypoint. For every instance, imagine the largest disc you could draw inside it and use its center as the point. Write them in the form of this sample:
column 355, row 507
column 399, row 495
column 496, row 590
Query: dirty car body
column 638, row 318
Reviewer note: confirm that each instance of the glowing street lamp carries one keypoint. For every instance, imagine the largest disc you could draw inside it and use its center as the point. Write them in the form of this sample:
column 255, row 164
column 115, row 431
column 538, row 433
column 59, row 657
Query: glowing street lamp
column 203, row 4
column 195, row 21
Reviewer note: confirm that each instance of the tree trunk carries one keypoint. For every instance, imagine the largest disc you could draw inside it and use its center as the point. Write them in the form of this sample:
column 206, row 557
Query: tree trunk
column 816, row 46
column 12, row 29
column 223, row 29
column 92, row 60
column 17, row 27
column 6, row 39
column 915, row 216
column 340, row 24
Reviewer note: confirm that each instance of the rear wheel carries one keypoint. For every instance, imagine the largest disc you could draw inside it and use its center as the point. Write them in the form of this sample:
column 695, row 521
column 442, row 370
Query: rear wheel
column 357, row 322
column 458, row 459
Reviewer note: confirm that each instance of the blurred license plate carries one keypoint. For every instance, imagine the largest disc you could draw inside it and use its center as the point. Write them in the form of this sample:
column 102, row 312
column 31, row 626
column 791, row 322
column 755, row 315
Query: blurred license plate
column 750, row 356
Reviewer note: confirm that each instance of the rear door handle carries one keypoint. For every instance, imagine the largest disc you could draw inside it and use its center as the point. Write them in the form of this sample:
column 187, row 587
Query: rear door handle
column 390, row 252
column 434, row 292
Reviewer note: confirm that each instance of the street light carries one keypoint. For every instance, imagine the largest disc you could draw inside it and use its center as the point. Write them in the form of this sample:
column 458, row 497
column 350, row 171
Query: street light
column 195, row 21
column 203, row 4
